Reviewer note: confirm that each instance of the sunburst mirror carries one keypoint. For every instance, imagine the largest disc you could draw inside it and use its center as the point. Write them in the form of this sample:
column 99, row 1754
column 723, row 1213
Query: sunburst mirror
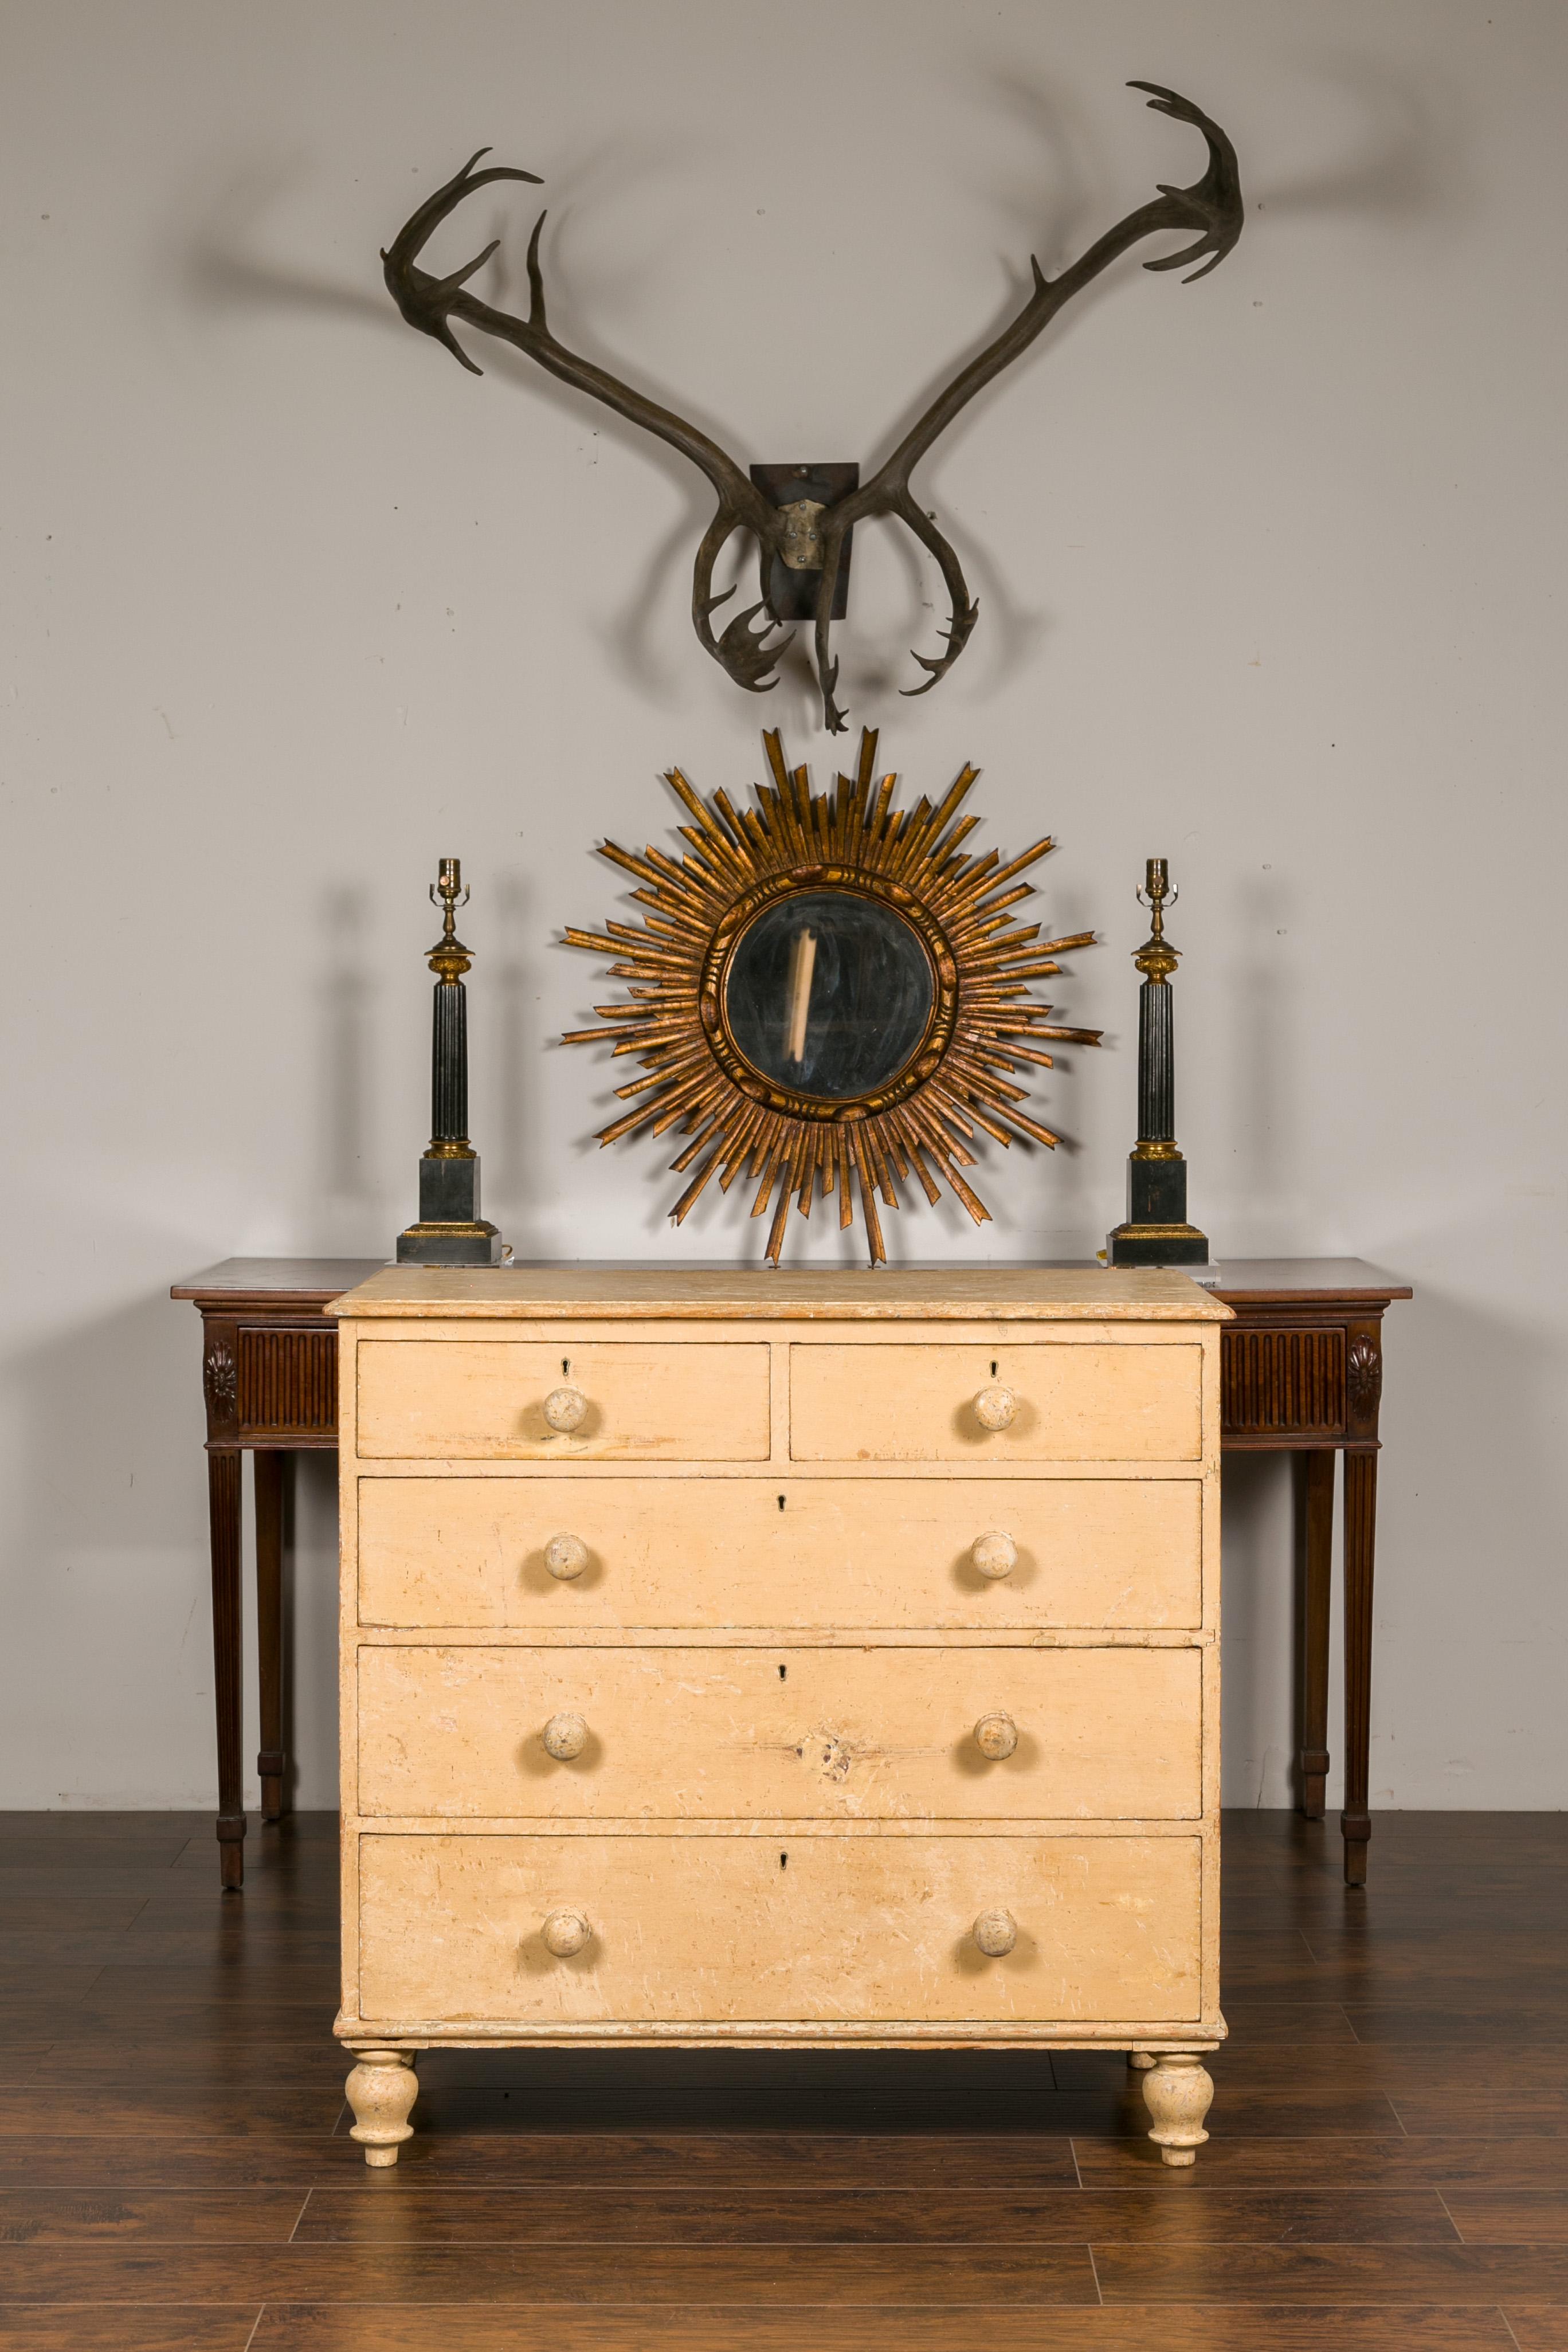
column 827, row 992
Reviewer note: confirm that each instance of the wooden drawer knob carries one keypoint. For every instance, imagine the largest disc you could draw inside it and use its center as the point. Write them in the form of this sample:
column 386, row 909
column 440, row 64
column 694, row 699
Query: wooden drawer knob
column 996, row 1735
column 994, row 1553
column 996, row 1932
column 565, row 1932
column 994, row 1407
column 564, row 1737
column 566, row 1409
column 565, row 1557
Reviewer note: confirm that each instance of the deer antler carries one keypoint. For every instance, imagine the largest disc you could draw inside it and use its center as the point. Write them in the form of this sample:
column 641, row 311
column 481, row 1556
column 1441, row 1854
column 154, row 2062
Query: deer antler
column 1211, row 207
column 432, row 303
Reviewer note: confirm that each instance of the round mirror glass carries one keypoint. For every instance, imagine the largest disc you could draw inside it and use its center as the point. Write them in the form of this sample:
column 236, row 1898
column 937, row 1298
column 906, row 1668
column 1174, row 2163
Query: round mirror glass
column 829, row 994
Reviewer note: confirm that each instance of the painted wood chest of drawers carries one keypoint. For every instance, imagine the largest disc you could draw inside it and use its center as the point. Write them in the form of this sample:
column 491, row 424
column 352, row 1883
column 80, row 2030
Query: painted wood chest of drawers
column 802, row 1658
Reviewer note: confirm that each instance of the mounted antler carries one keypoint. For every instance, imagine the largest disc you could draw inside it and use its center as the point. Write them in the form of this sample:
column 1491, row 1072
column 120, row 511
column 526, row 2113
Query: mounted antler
column 1211, row 209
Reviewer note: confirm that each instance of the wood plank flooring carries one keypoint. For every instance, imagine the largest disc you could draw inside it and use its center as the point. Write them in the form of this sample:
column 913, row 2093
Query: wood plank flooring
column 1389, row 2164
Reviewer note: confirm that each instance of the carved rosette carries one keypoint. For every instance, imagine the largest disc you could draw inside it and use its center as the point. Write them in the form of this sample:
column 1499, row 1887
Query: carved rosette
column 220, row 1381
column 1363, row 1376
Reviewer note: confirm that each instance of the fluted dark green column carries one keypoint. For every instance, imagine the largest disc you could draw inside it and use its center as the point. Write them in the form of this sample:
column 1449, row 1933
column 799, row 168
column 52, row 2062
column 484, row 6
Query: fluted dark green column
column 1156, row 1063
column 449, row 1064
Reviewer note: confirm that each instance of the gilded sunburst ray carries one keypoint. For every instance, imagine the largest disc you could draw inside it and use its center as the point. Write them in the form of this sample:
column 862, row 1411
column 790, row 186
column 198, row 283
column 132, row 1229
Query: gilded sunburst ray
column 955, row 1075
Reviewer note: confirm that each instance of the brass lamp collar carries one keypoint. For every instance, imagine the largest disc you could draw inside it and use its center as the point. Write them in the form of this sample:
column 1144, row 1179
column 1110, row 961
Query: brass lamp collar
column 449, row 959
column 1156, row 959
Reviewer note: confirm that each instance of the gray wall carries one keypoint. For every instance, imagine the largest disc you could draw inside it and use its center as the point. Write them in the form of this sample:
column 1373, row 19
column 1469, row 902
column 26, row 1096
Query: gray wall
column 1270, row 577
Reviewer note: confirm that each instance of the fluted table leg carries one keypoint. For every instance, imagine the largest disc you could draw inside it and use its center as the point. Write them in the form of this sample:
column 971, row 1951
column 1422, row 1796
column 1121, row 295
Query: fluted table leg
column 1318, row 1539
column 223, row 1505
column 1360, row 1531
column 271, row 1764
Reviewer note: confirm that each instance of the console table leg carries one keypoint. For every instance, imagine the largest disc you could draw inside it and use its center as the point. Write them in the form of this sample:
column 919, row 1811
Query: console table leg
column 1361, row 1531
column 223, row 1506
column 1318, row 1537
column 270, row 1763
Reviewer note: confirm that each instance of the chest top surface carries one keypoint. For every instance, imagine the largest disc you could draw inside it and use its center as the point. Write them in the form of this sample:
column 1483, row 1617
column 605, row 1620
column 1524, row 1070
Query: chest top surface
column 608, row 1292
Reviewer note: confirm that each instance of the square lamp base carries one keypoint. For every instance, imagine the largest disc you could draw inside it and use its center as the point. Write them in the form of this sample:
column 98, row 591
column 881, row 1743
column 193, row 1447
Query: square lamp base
column 1156, row 1245
column 467, row 1244
column 450, row 1231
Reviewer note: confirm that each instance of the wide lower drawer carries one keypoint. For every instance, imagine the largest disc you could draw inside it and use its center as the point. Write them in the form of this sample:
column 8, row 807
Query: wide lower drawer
column 718, row 1552
column 1064, row 1402
column 727, row 1929
column 802, row 1734
column 484, row 1400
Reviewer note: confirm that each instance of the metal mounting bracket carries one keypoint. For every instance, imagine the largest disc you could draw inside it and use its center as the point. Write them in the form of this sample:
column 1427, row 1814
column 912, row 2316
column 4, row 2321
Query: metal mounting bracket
column 790, row 579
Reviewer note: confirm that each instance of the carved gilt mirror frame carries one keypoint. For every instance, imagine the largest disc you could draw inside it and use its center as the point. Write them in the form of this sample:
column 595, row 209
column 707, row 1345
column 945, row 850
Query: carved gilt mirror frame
column 828, row 992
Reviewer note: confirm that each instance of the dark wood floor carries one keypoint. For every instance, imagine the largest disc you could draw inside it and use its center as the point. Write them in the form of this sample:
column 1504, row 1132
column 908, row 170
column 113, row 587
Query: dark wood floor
column 1389, row 2166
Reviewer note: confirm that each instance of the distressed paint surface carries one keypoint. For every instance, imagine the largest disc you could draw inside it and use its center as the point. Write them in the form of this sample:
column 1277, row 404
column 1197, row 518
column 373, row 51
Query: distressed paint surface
column 587, row 1293
column 787, row 1552
column 487, row 1398
column 867, row 1929
column 677, row 1734
column 1081, row 1403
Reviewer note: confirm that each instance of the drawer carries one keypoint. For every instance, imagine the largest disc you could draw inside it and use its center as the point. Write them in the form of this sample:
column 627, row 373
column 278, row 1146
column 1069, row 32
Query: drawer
column 1069, row 1402
column 483, row 1399
column 840, row 1931
column 720, row 1552
column 782, row 1734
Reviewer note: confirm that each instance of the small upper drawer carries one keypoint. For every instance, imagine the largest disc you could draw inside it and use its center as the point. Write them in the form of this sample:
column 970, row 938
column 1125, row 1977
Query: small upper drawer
column 487, row 1400
column 1041, row 1402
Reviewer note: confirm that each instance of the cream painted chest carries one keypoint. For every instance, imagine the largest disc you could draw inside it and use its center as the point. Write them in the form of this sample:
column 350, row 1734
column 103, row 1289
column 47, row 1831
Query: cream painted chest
column 786, row 1658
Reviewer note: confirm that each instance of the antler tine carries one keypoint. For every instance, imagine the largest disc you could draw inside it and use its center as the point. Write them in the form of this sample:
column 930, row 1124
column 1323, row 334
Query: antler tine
column 421, row 298
column 740, row 649
column 964, row 612
column 833, row 718
column 1216, row 199
column 410, row 239
column 431, row 304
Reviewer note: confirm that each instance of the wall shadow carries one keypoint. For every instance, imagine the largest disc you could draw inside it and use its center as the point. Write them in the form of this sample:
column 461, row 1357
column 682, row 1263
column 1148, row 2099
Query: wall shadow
column 345, row 1112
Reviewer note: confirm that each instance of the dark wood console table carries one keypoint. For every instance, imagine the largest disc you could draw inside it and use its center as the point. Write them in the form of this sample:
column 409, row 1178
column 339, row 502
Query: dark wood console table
column 1302, row 1372
column 269, row 1375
